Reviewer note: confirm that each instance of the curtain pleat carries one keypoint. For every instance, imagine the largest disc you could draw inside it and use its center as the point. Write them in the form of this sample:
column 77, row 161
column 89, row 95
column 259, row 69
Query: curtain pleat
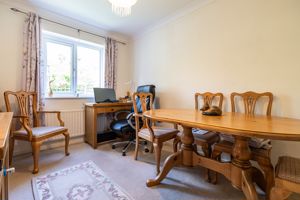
column 111, row 52
column 31, row 70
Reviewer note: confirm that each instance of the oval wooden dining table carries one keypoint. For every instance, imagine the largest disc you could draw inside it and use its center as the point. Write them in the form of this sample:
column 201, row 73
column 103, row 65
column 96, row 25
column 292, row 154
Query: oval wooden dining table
column 242, row 127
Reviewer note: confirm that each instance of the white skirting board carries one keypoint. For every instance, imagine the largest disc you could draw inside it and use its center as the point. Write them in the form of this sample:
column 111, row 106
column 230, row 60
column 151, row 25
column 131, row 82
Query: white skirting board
column 22, row 147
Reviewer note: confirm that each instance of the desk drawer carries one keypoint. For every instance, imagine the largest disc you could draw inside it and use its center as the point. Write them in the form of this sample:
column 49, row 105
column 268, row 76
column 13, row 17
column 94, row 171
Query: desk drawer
column 112, row 109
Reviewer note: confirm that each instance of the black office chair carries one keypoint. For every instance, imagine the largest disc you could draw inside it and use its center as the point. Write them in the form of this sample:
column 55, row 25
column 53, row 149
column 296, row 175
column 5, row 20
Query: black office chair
column 126, row 126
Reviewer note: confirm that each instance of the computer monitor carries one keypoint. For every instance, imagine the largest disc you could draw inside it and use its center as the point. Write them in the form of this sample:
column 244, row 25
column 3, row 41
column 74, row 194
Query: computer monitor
column 104, row 95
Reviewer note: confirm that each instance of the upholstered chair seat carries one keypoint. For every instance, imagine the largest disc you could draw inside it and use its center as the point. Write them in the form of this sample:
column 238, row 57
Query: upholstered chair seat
column 205, row 136
column 43, row 130
column 253, row 142
column 159, row 132
column 288, row 168
column 287, row 178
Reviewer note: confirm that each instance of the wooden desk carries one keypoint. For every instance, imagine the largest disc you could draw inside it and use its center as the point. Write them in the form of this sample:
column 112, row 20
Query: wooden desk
column 5, row 122
column 91, row 112
column 241, row 126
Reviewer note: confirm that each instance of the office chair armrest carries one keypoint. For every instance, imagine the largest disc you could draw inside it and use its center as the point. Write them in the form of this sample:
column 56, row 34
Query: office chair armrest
column 130, row 116
column 131, row 120
column 61, row 122
column 120, row 113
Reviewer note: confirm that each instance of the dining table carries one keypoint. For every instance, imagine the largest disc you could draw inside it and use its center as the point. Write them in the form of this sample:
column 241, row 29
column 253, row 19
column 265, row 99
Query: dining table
column 242, row 127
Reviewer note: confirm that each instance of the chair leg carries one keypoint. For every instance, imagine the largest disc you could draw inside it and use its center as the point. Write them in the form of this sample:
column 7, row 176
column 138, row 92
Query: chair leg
column 217, row 156
column 36, row 154
column 151, row 148
column 157, row 149
column 207, row 153
column 268, row 170
column 259, row 178
column 67, row 139
column 11, row 149
column 136, row 147
column 175, row 144
column 278, row 193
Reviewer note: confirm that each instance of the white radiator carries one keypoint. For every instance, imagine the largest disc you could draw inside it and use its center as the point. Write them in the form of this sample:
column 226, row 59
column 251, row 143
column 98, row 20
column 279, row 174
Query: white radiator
column 74, row 121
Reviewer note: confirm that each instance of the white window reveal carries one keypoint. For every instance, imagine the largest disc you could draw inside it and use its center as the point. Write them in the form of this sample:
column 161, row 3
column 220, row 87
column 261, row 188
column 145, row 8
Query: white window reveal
column 73, row 67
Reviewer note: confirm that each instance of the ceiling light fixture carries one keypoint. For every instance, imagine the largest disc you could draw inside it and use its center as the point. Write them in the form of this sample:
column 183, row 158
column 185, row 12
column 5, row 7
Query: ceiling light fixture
column 122, row 7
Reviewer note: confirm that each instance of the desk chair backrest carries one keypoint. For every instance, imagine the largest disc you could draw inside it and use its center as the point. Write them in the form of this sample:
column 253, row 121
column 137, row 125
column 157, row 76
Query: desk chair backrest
column 208, row 98
column 23, row 103
column 147, row 88
column 143, row 89
column 249, row 100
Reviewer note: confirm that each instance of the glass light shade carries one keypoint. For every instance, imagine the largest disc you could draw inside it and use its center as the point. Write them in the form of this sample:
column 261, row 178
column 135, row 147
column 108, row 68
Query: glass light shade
column 122, row 7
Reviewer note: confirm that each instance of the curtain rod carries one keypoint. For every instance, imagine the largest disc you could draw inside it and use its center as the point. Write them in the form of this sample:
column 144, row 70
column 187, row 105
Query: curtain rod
column 79, row 30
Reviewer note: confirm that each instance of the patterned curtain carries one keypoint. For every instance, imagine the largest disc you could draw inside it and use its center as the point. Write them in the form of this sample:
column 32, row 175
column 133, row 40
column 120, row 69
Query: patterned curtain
column 111, row 51
column 31, row 78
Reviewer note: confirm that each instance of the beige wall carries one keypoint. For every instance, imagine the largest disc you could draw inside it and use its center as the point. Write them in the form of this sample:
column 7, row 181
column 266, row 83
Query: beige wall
column 10, row 51
column 226, row 46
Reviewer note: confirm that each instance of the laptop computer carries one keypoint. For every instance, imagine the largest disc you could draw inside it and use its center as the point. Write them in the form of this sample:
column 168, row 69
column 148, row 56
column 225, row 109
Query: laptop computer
column 107, row 95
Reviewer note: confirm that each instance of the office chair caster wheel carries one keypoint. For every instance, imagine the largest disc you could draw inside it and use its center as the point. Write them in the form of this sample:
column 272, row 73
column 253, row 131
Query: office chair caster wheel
column 146, row 150
column 113, row 146
column 123, row 154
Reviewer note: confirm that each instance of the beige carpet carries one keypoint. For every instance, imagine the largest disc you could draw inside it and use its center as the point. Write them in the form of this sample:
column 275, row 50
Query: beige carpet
column 131, row 175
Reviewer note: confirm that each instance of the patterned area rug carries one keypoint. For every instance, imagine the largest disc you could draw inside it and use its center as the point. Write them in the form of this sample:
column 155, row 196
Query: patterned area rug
column 84, row 181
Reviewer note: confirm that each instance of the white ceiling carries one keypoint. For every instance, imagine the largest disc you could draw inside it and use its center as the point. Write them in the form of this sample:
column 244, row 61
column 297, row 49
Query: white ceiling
column 98, row 13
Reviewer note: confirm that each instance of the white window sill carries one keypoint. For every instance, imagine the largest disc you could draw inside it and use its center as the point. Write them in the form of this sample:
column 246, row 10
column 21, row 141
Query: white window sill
column 58, row 97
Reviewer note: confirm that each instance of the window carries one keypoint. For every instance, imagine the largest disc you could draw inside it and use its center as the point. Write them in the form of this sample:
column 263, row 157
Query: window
column 72, row 67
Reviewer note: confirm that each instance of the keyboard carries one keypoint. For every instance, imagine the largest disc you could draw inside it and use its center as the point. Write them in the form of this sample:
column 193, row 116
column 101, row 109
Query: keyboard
column 109, row 101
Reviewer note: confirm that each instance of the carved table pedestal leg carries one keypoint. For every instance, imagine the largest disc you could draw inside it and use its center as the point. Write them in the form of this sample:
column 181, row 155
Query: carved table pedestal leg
column 183, row 156
column 241, row 169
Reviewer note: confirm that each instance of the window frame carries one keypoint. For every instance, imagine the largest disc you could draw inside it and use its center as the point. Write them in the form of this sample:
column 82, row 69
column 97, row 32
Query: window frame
column 73, row 43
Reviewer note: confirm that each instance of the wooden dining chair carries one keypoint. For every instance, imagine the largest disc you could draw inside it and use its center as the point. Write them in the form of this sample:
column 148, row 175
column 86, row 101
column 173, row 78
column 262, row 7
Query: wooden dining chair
column 156, row 135
column 24, row 106
column 204, row 139
column 287, row 178
column 260, row 148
